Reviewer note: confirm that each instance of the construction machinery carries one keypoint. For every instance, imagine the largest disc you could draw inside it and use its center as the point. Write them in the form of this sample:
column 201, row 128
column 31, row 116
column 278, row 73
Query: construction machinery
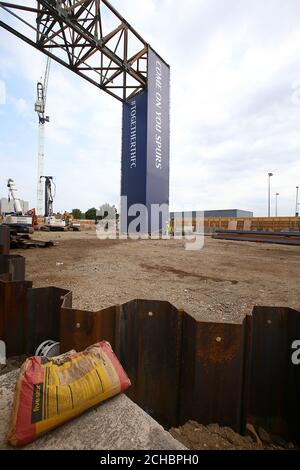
column 70, row 224
column 52, row 223
column 21, row 222
column 50, row 190
column 40, row 109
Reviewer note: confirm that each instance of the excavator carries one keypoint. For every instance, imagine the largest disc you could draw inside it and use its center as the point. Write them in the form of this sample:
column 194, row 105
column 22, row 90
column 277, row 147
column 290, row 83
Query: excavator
column 17, row 220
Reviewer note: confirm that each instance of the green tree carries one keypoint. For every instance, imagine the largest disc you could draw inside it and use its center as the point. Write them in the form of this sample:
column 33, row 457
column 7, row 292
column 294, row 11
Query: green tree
column 91, row 214
column 77, row 214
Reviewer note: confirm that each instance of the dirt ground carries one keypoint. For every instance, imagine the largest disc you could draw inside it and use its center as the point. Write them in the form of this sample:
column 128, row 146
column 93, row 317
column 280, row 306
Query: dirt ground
column 221, row 282
column 213, row 437
column 11, row 364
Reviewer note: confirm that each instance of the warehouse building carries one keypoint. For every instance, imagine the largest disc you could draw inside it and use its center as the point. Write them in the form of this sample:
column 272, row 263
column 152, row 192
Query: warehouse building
column 7, row 207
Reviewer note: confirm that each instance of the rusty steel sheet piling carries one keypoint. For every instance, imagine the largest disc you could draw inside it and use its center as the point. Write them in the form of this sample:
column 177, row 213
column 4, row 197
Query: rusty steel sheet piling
column 13, row 297
column 150, row 334
column 274, row 380
column 81, row 329
column 43, row 316
column 4, row 240
column 13, row 265
column 212, row 373
column 181, row 369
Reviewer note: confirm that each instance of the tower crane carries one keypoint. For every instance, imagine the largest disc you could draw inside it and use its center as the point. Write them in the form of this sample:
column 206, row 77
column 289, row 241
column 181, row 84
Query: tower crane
column 40, row 109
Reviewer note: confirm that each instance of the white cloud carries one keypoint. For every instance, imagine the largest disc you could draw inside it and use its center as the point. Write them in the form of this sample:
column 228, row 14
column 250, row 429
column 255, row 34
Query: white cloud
column 2, row 92
column 21, row 105
column 235, row 75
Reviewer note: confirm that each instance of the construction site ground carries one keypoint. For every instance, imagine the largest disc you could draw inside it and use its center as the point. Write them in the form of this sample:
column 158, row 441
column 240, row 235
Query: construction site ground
column 222, row 282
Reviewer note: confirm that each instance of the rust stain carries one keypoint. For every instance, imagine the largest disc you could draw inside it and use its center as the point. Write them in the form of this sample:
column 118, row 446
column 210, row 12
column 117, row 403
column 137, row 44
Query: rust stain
column 217, row 346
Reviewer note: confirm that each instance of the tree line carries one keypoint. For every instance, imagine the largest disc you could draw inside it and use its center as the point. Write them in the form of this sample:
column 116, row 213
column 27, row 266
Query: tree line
column 105, row 211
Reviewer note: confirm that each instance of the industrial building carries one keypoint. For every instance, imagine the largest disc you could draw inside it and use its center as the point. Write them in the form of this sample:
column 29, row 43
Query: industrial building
column 7, row 207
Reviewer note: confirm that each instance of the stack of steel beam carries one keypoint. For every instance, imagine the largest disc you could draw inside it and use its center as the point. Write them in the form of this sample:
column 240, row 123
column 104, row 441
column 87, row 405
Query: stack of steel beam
column 280, row 238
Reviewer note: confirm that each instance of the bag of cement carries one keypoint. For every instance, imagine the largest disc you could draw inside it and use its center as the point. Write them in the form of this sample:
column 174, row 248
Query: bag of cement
column 50, row 392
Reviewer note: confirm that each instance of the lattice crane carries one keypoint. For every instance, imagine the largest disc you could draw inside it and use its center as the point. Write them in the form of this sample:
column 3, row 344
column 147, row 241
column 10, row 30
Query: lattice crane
column 40, row 109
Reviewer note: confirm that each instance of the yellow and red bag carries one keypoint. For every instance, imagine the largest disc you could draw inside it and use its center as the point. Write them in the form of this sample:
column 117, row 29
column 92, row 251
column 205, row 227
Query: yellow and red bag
column 50, row 392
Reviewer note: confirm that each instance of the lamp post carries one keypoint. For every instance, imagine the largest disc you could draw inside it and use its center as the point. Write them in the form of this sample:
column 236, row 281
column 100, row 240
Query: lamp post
column 269, row 196
column 297, row 199
column 276, row 211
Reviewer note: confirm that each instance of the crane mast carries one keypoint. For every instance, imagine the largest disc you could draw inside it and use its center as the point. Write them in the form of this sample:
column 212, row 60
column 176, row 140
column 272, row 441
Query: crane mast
column 40, row 109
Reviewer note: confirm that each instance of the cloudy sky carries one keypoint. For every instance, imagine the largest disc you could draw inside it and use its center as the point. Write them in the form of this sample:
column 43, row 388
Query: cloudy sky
column 235, row 109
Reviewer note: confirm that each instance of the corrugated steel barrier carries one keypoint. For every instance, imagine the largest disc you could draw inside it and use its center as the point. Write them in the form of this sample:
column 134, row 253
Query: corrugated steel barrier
column 4, row 240
column 150, row 349
column 180, row 368
column 42, row 316
column 274, row 380
column 14, row 266
column 13, row 302
column 80, row 329
column 212, row 373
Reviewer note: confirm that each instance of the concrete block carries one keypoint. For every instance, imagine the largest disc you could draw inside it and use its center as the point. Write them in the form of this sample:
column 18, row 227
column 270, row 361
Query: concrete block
column 118, row 424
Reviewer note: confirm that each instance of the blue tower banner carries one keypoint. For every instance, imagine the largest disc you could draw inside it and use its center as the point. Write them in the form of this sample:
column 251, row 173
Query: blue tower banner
column 146, row 146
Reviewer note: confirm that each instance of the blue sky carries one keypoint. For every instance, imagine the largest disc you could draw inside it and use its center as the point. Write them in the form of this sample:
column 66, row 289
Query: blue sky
column 235, row 109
